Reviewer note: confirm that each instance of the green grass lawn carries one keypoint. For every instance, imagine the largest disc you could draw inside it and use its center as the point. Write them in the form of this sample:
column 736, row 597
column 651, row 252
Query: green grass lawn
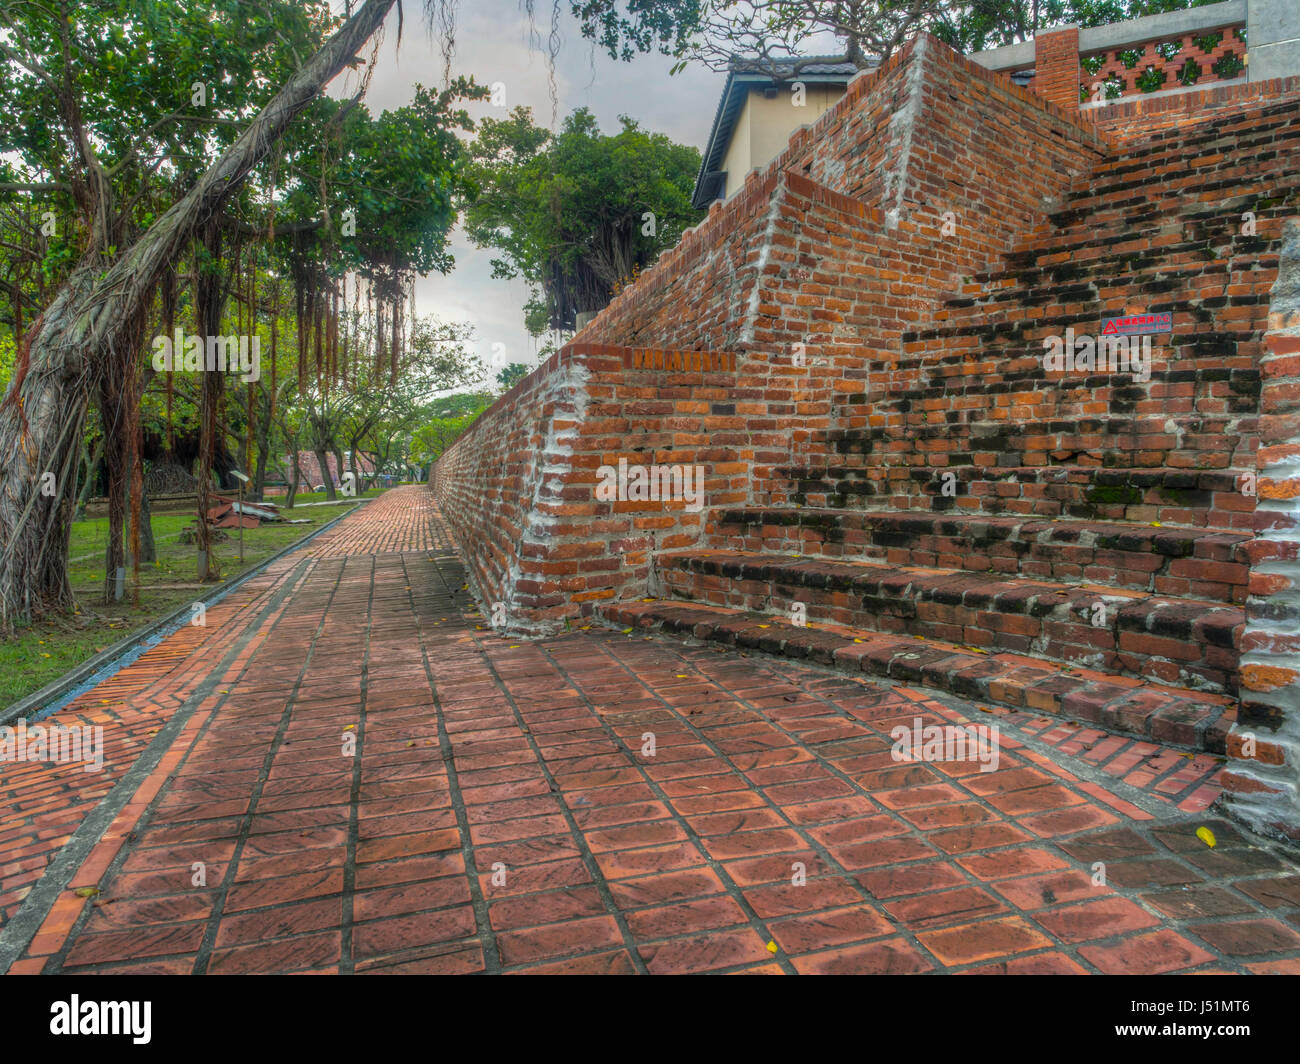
column 318, row 496
column 45, row 650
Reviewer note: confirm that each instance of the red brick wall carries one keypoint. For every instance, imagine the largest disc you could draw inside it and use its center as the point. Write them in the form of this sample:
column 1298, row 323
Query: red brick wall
column 929, row 132
column 517, row 489
column 1143, row 115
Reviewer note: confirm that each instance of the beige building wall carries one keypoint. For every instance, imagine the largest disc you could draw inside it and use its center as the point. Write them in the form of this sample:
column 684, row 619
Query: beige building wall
column 764, row 126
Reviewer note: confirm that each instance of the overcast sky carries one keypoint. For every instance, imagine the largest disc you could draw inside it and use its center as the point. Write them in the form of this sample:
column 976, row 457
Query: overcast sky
column 493, row 44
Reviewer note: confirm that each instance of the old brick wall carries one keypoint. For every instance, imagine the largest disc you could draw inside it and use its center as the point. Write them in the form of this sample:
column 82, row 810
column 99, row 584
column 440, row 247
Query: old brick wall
column 930, row 138
column 1056, row 62
column 518, row 489
column 1141, row 116
column 869, row 313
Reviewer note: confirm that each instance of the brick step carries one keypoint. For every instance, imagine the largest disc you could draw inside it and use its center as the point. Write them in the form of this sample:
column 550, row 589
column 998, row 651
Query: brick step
column 1179, row 641
column 1100, row 225
column 1177, row 443
column 1100, row 238
column 1109, row 283
column 1219, row 132
column 1006, row 370
column 1014, row 387
column 1207, row 305
column 1178, row 562
column 1191, row 498
column 1168, row 192
column 1208, row 290
column 1087, row 271
column 1159, row 162
column 1192, row 720
column 1158, row 439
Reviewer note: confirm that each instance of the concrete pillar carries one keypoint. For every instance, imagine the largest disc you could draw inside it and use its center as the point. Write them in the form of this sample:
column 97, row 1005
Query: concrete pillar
column 1273, row 39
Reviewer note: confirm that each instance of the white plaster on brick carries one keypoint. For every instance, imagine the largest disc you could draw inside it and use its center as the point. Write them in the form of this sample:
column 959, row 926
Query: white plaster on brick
column 901, row 126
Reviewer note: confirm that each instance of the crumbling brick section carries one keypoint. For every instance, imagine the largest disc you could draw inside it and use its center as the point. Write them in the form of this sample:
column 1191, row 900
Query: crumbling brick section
column 1264, row 789
column 1056, row 66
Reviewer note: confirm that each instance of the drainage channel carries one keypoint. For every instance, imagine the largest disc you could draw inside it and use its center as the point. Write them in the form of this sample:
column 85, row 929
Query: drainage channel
column 117, row 658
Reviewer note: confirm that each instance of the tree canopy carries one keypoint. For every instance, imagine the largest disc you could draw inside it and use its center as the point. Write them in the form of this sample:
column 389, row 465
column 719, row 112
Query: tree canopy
column 577, row 213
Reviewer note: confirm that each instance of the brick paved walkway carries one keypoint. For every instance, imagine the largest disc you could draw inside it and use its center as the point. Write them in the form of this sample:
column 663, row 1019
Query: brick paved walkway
column 501, row 812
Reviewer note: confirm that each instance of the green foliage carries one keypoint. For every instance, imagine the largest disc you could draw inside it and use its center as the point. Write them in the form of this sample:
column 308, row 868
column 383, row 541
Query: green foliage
column 623, row 29
column 980, row 24
column 447, row 418
column 577, row 213
column 6, row 360
column 389, row 185
column 511, row 374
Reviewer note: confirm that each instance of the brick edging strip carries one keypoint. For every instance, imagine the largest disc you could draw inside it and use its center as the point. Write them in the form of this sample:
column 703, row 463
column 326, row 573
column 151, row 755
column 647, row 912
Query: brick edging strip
column 18, row 933
column 56, row 689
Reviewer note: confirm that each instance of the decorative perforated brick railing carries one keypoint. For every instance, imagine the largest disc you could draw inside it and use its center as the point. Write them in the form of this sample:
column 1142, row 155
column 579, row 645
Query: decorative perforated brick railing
column 1181, row 52
column 1193, row 59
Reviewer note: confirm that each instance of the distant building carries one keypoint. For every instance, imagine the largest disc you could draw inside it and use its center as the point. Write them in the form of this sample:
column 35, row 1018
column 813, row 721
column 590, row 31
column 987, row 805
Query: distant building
column 757, row 114
column 309, row 469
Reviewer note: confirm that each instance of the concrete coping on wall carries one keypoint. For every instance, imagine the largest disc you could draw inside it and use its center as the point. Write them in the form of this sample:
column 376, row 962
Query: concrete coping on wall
column 1182, row 90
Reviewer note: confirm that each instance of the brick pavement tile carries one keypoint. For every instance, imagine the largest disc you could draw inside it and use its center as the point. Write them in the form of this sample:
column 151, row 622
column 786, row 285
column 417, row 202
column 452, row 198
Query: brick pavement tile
column 944, row 907
column 1038, row 964
column 891, row 957
column 700, row 953
column 816, row 931
column 1273, row 893
column 533, row 910
column 614, row 963
column 590, row 934
column 1151, row 953
column 784, row 899
column 773, row 793
column 1090, row 920
column 911, row 879
column 1197, row 901
column 703, row 914
column 1248, row 938
column 982, row 941
column 666, row 887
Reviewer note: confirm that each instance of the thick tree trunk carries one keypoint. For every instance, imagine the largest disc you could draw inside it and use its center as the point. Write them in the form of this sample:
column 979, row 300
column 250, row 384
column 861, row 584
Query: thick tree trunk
column 263, row 447
column 209, row 298
column 294, row 478
column 148, row 552
column 112, row 407
column 323, row 459
column 93, row 461
column 92, row 318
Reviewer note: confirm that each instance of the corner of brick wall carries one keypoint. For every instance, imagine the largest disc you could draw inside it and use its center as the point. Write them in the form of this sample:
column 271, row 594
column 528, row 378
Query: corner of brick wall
column 517, row 488
column 1263, row 790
